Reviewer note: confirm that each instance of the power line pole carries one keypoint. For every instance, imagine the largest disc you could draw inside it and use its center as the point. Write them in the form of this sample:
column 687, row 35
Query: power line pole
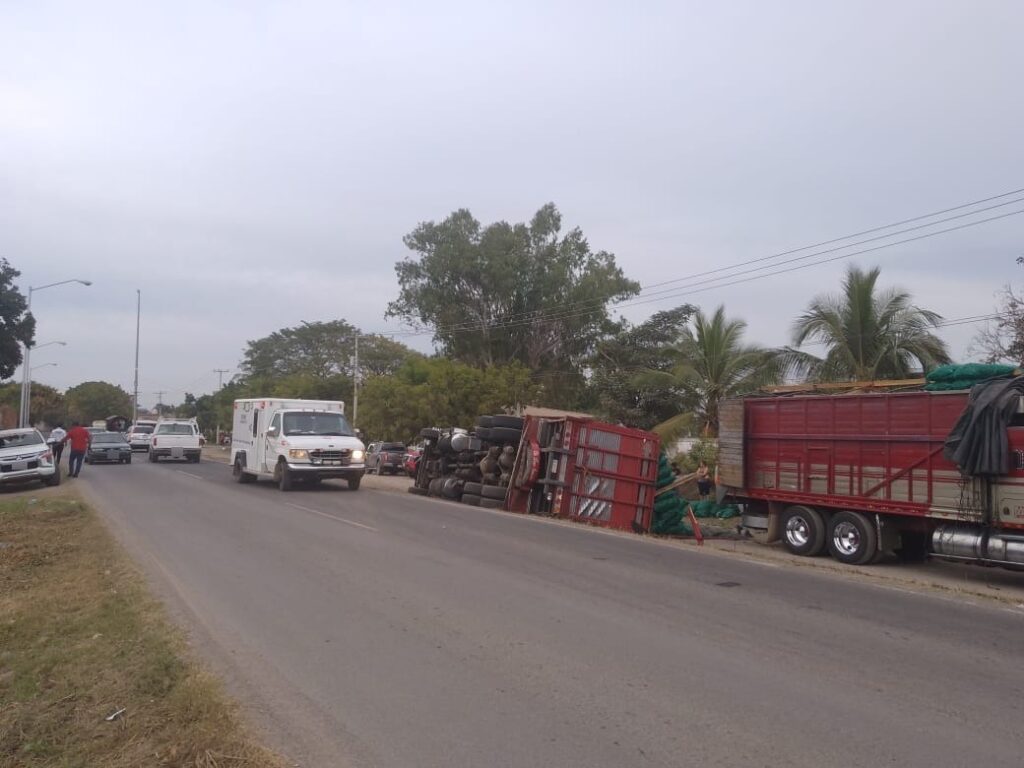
column 355, row 386
column 138, row 320
column 220, row 376
column 160, row 402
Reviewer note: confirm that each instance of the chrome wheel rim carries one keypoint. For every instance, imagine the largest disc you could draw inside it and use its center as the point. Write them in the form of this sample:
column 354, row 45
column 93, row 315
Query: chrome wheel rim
column 846, row 538
column 798, row 531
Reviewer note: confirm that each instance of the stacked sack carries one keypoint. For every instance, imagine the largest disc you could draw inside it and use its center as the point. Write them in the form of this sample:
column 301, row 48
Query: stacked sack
column 965, row 376
column 669, row 507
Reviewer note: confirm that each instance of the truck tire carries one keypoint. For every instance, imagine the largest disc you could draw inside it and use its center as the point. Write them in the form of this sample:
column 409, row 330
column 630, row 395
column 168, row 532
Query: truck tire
column 353, row 483
column 484, row 433
column 53, row 479
column 284, row 477
column 511, row 422
column 803, row 531
column 505, row 435
column 152, row 457
column 852, row 538
column 485, row 421
column 415, row 489
column 493, row 492
column 472, row 499
column 473, row 489
column 487, row 503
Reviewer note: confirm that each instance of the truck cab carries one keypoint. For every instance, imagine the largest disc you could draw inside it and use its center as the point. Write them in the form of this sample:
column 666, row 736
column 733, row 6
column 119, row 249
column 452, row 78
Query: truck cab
column 289, row 441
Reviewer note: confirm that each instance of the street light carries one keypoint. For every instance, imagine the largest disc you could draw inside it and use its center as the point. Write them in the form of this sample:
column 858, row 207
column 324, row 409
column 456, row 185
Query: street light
column 26, row 374
column 44, row 365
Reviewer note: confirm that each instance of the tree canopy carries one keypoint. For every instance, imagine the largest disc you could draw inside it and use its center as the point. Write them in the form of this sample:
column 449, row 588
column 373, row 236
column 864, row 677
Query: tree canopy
column 868, row 333
column 93, row 400
column 17, row 326
column 1002, row 340
column 506, row 293
column 47, row 404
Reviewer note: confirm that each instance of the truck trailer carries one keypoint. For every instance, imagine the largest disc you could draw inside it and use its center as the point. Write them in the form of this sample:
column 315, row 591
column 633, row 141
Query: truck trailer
column 863, row 474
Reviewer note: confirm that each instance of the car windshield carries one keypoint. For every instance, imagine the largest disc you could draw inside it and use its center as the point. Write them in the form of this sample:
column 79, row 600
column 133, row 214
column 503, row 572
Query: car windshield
column 107, row 437
column 316, row 423
column 393, row 447
column 19, row 439
column 175, row 429
column 143, row 430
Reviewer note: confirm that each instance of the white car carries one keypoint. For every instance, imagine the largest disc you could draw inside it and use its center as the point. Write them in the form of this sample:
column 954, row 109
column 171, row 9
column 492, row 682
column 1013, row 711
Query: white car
column 139, row 436
column 25, row 456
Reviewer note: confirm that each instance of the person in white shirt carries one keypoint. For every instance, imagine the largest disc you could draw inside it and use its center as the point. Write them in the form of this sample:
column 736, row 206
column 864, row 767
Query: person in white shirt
column 56, row 441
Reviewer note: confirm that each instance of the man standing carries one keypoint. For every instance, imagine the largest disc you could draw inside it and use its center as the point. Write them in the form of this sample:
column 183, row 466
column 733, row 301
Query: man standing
column 79, row 438
column 56, row 441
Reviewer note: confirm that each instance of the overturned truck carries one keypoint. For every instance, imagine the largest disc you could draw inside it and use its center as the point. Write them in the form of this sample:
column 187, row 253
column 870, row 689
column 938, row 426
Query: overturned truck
column 546, row 462
column 862, row 474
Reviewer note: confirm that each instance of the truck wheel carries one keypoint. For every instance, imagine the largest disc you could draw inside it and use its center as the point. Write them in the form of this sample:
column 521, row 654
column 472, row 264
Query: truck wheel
column 505, row 435
column 152, row 457
column 493, row 492
column 353, row 483
column 284, row 477
column 473, row 489
column 53, row 479
column 487, row 503
column 803, row 531
column 511, row 422
column 240, row 475
column 471, row 499
column 852, row 538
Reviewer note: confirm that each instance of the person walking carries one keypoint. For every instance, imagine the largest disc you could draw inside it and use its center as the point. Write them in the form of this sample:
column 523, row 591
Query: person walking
column 56, row 441
column 79, row 438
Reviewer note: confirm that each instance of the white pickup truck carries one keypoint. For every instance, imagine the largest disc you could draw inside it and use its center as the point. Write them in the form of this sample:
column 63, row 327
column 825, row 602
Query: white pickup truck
column 176, row 439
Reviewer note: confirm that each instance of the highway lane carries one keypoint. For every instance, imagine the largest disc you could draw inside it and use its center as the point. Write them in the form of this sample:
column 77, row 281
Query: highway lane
column 368, row 628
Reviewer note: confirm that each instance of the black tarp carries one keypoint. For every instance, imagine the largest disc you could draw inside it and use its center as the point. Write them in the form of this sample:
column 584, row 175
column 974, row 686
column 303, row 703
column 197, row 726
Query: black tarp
column 978, row 442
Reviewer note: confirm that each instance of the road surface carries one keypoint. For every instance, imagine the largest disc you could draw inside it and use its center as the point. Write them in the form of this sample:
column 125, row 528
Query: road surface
column 367, row 628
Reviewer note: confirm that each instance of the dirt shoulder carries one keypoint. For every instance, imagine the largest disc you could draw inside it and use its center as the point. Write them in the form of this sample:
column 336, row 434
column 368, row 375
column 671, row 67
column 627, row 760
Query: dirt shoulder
column 91, row 672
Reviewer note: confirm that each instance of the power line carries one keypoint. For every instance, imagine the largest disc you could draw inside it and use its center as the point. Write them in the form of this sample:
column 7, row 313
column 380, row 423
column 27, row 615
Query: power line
column 686, row 291
column 535, row 316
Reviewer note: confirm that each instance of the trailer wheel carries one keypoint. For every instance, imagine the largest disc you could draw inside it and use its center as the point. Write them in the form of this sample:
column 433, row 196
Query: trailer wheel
column 473, row 489
column 487, row 503
column 803, row 531
column 510, row 422
column 852, row 538
column 471, row 499
column 505, row 435
column 497, row 492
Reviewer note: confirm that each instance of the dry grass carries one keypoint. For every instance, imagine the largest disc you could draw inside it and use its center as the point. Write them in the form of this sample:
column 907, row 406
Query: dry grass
column 80, row 639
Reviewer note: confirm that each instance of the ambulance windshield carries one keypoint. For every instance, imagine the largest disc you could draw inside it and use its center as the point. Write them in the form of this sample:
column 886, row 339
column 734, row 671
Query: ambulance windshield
column 316, row 423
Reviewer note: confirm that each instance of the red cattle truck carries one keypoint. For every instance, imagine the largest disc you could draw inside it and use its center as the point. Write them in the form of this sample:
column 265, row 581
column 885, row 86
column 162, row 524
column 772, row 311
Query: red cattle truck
column 862, row 474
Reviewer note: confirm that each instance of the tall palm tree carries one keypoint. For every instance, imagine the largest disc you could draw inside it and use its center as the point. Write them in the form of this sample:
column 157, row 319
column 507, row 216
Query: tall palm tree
column 869, row 333
column 711, row 364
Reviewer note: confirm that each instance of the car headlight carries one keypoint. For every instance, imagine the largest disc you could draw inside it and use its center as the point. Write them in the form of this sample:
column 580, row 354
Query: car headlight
column 298, row 453
column 357, row 455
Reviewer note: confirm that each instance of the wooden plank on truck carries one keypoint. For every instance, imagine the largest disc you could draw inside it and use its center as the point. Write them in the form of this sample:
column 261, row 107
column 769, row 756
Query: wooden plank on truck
column 730, row 443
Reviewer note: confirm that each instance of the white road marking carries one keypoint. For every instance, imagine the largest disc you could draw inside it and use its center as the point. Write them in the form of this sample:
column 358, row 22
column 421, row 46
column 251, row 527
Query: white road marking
column 197, row 477
column 330, row 517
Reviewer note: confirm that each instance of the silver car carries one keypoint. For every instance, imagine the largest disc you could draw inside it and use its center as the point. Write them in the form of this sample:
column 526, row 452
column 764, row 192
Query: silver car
column 25, row 456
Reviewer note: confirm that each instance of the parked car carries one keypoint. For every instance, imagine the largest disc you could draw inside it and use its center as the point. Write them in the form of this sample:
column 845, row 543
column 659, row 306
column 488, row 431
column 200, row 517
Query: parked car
column 25, row 456
column 385, row 458
column 139, row 436
column 109, row 447
column 176, row 439
column 93, row 431
column 411, row 460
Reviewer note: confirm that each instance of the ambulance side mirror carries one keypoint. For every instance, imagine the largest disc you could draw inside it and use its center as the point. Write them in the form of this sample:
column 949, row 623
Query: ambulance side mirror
column 272, row 432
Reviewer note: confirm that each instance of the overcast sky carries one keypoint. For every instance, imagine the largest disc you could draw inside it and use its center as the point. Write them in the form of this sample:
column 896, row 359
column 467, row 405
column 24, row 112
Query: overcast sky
column 251, row 165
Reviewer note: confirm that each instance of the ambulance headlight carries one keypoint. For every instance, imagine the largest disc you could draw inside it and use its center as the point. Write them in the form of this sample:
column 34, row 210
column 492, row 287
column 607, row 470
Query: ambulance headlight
column 357, row 455
column 298, row 453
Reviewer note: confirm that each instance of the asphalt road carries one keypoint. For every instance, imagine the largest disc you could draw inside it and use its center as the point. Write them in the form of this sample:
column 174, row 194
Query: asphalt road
column 366, row 628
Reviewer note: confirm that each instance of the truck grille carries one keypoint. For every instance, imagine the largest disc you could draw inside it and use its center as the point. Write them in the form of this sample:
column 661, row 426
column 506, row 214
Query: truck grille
column 319, row 456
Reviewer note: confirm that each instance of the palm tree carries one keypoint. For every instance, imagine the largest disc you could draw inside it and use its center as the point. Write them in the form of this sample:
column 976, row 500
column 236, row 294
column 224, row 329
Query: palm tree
column 712, row 363
column 869, row 333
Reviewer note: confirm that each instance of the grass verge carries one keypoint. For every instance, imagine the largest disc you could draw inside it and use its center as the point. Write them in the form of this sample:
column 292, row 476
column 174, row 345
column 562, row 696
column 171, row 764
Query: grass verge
column 80, row 640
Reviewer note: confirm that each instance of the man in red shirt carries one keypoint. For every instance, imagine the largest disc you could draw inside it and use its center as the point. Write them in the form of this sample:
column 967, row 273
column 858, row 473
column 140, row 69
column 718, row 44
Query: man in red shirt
column 79, row 438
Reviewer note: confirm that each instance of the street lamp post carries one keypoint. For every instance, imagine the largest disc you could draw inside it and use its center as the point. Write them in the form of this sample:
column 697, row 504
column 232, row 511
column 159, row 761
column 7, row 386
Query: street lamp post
column 26, row 374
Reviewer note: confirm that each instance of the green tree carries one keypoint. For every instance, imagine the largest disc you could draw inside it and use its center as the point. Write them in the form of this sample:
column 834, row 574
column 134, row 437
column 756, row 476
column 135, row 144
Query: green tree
column 321, row 350
column 47, row 404
column 17, row 326
column 618, row 394
column 92, row 400
column 1002, row 340
column 509, row 293
column 868, row 333
column 710, row 363
column 438, row 392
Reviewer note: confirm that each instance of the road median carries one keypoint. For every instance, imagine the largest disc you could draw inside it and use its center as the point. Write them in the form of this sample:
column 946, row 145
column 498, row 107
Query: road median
column 91, row 673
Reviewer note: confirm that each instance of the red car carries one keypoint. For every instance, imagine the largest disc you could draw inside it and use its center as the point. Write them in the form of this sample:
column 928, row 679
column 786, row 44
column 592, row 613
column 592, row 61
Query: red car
column 411, row 461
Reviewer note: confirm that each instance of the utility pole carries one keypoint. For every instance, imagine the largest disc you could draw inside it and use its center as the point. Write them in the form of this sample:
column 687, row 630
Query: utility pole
column 160, row 402
column 138, row 319
column 220, row 376
column 355, row 386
